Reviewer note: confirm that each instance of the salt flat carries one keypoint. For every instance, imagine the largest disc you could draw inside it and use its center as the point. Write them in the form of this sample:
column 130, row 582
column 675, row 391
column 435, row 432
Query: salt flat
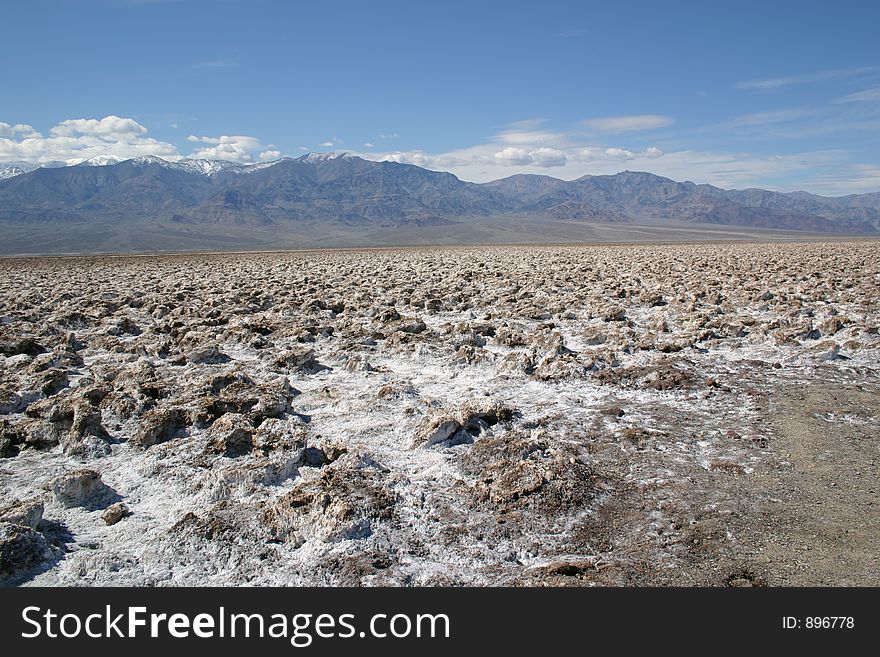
column 696, row 413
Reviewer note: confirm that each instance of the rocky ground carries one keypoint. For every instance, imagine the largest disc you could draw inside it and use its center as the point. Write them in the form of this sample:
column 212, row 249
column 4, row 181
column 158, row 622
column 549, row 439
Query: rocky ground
column 691, row 414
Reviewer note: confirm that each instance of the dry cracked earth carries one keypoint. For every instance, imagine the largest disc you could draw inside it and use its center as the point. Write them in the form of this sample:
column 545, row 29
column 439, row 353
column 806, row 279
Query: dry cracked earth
column 691, row 414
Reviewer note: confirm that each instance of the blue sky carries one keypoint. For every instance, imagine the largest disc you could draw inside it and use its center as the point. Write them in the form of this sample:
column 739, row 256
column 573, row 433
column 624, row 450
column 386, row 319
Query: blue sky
column 782, row 95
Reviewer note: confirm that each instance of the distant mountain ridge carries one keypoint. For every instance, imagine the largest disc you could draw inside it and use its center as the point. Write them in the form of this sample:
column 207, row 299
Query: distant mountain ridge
column 346, row 190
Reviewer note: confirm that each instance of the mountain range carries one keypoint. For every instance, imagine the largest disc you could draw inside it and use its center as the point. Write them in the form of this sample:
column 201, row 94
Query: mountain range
column 339, row 199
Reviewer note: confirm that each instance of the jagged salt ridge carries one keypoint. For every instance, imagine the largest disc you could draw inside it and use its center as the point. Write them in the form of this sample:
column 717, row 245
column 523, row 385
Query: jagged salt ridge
column 588, row 415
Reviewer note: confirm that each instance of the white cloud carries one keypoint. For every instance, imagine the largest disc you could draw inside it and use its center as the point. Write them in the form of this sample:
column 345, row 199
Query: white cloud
column 513, row 155
column 268, row 156
column 619, row 154
column 811, row 170
column 413, row 157
column 19, row 130
column 485, row 162
column 815, row 76
column 236, row 148
column 805, row 122
column 587, row 154
column 330, row 143
column 109, row 128
column 597, row 154
column 868, row 95
column 75, row 140
column 523, row 146
column 768, row 118
column 633, row 123
column 420, row 158
column 854, row 179
column 369, row 145
column 520, row 136
column 548, row 157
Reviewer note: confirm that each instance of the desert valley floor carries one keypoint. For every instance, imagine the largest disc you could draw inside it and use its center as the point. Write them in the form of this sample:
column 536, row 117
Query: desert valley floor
column 651, row 414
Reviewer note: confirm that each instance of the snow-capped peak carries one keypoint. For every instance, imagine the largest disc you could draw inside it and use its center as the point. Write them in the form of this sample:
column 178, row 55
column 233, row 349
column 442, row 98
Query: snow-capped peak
column 11, row 169
column 150, row 159
column 190, row 165
column 205, row 167
column 212, row 167
column 314, row 158
column 97, row 161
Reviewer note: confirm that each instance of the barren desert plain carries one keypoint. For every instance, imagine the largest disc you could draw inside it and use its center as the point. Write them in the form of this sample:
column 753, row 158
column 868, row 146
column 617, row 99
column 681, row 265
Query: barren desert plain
column 642, row 414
